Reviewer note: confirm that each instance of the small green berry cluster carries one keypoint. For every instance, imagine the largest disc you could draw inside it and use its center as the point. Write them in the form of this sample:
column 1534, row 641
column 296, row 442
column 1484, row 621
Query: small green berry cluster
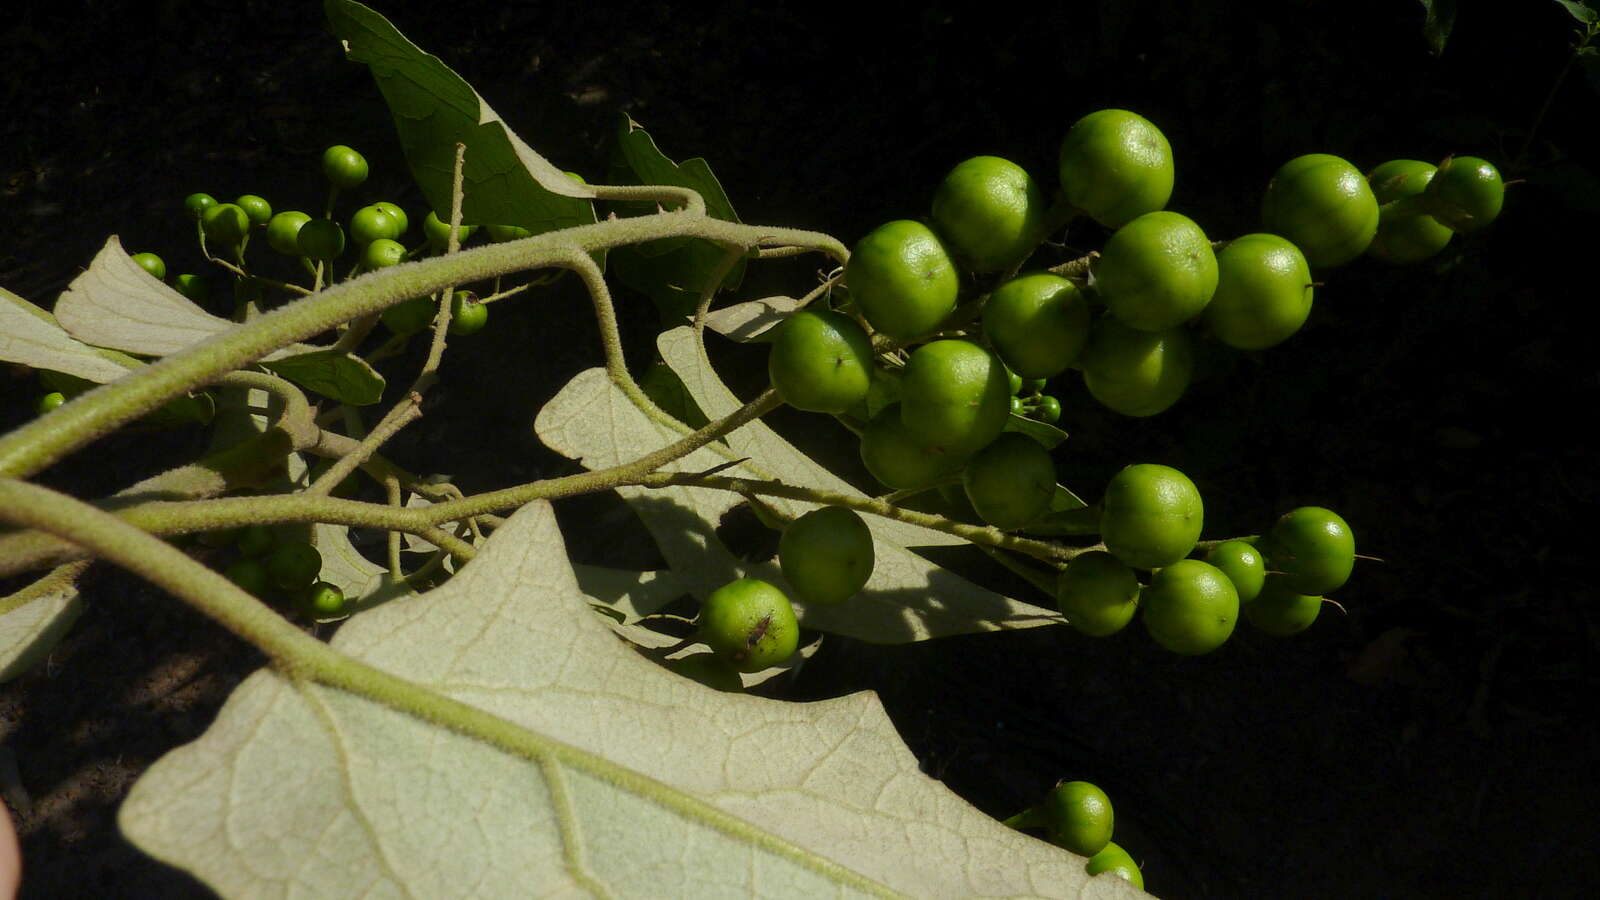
column 270, row 566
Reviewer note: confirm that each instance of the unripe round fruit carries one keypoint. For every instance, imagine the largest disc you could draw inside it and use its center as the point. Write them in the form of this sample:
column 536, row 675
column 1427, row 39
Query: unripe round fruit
column 197, row 203
column 1098, row 593
column 903, row 279
column 344, row 167
column 1313, row 548
column 320, row 239
column 194, row 287
column 1116, row 860
column 1151, row 516
column 750, row 624
column 899, row 458
column 1263, row 292
column 1404, row 238
column 437, row 232
column 1010, row 482
column 1136, row 373
column 1323, row 205
column 151, row 263
column 294, row 565
column 256, row 207
column 1465, row 194
column 1049, row 409
column 826, row 555
column 250, row 575
column 1244, row 566
column 1038, row 323
column 467, row 315
column 1190, row 607
column 1116, row 166
column 395, row 213
column 954, row 394
column 990, row 212
column 283, row 231
column 371, row 223
column 821, row 361
column 323, row 600
column 1157, row 272
column 1280, row 610
column 1079, row 817
column 254, row 540
column 225, row 224
column 410, row 316
column 50, row 401
column 383, row 253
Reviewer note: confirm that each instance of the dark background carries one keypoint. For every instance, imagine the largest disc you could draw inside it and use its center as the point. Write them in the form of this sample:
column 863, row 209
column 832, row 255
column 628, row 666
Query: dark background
column 1436, row 741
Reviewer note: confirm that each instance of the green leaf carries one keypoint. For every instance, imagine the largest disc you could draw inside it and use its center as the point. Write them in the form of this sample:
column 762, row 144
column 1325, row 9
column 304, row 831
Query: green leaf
column 33, row 620
column 31, row 336
column 637, row 782
column 1581, row 11
column 505, row 181
column 341, row 376
column 117, row 304
column 1043, row 432
column 673, row 271
column 363, row 582
column 907, row 599
column 752, row 320
column 1440, row 20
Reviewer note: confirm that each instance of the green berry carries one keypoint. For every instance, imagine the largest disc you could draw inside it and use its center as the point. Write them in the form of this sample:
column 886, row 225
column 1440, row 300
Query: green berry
column 402, row 220
column 438, row 232
column 372, row 223
column 323, row 600
column 954, row 395
column 344, row 167
column 990, row 212
column 1465, row 194
column 194, row 287
column 382, row 253
column 502, row 233
column 467, row 315
column 250, row 575
column 225, row 225
column 1314, row 549
column 1263, row 292
column 1078, row 817
column 902, row 278
column 821, row 361
column 320, row 239
column 1010, row 482
column 294, row 565
column 1038, row 323
column 50, row 401
column 750, row 624
column 1116, row 166
column 198, row 203
column 1097, row 593
column 1324, row 206
column 283, row 231
column 826, row 555
column 1116, row 860
column 1244, row 566
column 1048, row 410
column 1190, row 607
column 1280, row 610
column 1157, row 272
column 255, row 540
column 899, row 458
column 151, row 263
column 1017, row 406
column 1151, row 515
column 410, row 316
column 257, row 208
column 1136, row 373
column 1404, row 238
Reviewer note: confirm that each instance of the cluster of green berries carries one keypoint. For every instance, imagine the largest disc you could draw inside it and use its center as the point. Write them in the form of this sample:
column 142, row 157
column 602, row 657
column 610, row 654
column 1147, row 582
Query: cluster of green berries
column 1150, row 519
column 269, row 567
column 375, row 231
column 1077, row 816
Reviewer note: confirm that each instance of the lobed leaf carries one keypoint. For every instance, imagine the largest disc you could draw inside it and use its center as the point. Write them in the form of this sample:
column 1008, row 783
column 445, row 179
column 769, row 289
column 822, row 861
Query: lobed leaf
column 752, row 320
column 638, row 782
column 31, row 336
column 344, row 377
column 33, row 620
